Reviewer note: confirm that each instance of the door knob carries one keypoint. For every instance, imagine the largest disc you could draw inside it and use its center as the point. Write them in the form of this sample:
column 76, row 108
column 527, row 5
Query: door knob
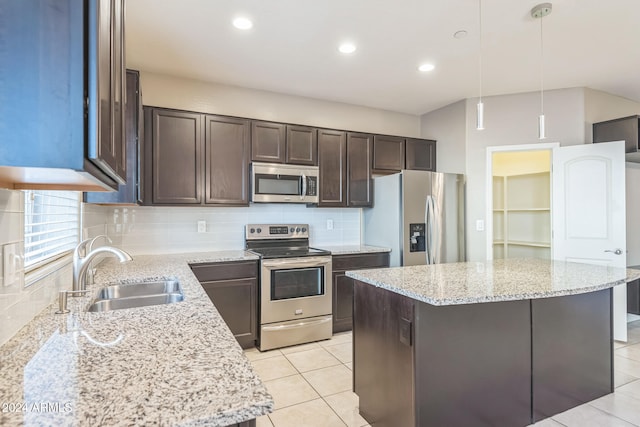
column 615, row 251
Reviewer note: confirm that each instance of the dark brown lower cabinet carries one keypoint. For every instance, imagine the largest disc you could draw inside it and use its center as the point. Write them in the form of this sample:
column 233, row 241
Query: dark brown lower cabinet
column 232, row 287
column 508, row 363
column 343, row 285
column 633, row 297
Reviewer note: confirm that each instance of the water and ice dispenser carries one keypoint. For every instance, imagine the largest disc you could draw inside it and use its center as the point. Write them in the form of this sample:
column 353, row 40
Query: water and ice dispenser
column 417, row 237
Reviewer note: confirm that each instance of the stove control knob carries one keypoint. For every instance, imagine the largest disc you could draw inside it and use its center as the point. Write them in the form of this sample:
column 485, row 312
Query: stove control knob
column 291, row 230
column 304, row 229
column 298, row 230
column 259, row 230
column 253, row 230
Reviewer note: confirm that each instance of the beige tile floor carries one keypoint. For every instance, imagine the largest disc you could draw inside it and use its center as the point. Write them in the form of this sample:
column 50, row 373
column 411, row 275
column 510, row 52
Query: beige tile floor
column 311, row 386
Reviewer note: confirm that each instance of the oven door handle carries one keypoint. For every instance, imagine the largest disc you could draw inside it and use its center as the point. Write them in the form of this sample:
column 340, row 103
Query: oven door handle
column 288, row 262
column 297, row 325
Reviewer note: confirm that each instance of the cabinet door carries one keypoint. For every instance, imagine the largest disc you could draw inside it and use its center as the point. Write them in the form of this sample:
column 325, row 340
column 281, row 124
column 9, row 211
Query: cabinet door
column 624, row 129
column 127, row 193
column 173, row 158
column 102, row 148
column 420, row 154
column 359, row 185
column 332, row 163
column 227, row 160
column 342, row 302
column 267, row 142
column 343, row 285
column 302, row 145
column 235, row 300
column 633, row 297
column 118, row 74
column 388, row 153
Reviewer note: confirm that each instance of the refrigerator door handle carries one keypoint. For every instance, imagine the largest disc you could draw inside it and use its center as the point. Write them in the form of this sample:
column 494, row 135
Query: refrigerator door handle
column 428, row 220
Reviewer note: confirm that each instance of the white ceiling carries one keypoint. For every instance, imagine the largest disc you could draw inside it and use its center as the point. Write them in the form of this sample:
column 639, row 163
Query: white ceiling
column 292, row 47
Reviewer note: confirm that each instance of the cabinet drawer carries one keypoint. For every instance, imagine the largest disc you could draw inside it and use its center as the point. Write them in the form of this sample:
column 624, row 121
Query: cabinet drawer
column 225, row 270
column 359, row 261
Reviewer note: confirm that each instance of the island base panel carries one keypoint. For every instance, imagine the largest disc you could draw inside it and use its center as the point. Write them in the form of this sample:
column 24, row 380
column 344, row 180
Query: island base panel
column 473, row 364
column 572, row 351
column 383, row 356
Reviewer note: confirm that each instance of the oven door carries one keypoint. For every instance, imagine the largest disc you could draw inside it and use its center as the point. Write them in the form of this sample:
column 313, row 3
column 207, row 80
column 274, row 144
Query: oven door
column 295, row 288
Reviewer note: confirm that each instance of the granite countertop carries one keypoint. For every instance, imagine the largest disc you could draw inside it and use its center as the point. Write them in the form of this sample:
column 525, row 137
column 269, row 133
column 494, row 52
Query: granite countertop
column 353, row 249
column 174, row 364
column 492, row 281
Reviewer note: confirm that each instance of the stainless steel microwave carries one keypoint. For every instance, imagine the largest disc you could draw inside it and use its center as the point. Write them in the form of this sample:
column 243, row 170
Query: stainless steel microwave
column 278, row 183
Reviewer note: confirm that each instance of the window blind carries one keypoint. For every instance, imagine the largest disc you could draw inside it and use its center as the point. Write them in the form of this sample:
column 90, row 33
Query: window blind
column 51, row 225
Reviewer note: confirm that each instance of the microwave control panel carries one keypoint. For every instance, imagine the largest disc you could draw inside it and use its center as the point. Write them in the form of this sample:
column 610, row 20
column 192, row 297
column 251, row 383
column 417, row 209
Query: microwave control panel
column 312, row 186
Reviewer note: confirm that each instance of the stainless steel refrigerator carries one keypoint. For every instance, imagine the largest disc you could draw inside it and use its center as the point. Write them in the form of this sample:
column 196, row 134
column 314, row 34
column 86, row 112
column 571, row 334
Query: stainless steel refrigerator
column 419, row 215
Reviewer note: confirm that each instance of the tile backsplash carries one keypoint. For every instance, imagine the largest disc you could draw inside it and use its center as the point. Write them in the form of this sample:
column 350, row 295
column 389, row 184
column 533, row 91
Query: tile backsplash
column 20, row 304
column 150, row 230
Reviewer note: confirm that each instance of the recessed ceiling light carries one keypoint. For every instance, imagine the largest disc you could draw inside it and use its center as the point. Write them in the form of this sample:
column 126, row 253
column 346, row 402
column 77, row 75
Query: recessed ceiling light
column 347, row 47
column 242, row 23
column 460, row 34
column 426, row 67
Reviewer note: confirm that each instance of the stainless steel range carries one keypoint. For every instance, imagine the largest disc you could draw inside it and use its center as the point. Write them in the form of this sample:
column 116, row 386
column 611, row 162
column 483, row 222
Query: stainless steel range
column 295, row 285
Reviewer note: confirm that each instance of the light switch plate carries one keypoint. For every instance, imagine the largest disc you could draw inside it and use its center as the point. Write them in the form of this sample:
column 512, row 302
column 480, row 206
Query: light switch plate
column 479, row 224
column 202, row 226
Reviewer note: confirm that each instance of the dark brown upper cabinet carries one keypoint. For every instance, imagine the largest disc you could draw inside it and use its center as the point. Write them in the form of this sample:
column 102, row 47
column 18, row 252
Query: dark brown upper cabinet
column 66, row 75
column 302, row 145
column 173, row 157
column 280, row 143
column 195, row 159
column 128, row 193
column 268, row 142
column 391, row 154
column 332, row 163
column 226, row 149
column 420, row 154
column 359, row 182
column 344, row 160
column 388, row 153
column 625, row 129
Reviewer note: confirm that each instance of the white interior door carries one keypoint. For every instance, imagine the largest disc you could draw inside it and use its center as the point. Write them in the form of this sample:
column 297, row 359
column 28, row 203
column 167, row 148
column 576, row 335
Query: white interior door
column 589, row 212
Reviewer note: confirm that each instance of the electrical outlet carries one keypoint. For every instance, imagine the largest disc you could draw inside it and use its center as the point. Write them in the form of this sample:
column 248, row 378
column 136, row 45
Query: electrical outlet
column 202, row 226
column 12, row 264
column 329, row 224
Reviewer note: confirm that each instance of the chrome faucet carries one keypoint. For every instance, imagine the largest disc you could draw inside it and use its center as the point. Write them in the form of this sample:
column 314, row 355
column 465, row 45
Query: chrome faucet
column 81, row 263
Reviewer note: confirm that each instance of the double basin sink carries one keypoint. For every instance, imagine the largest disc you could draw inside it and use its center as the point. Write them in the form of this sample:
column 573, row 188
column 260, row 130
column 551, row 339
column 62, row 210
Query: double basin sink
column 141, row 294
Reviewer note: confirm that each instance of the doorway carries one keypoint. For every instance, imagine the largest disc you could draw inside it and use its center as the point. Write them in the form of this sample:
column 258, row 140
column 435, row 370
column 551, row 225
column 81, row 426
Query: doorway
column 519, row 201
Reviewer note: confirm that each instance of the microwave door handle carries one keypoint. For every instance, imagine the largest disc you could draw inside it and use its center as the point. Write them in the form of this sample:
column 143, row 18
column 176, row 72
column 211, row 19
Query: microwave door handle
column 304, row 186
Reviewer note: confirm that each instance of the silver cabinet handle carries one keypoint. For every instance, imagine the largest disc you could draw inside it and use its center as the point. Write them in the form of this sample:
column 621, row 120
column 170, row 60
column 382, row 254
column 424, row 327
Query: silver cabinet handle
column 617, row 251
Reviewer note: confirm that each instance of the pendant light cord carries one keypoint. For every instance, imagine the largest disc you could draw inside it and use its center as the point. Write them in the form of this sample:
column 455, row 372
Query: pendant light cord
column 480, row 59
column 541, row 68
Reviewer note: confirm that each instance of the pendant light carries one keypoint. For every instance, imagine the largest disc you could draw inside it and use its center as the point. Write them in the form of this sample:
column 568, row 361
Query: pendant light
column 480, row 106
column 539, row 12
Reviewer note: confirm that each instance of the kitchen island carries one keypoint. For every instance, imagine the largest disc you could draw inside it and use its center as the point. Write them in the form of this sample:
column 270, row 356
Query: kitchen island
column 496, row 343
column 175, row 364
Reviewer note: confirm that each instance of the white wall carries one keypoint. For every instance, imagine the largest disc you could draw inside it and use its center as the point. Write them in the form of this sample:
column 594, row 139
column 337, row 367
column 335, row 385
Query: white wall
column 508, row 120
column 447, row 126
column 175, row 92
column 601, row 106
